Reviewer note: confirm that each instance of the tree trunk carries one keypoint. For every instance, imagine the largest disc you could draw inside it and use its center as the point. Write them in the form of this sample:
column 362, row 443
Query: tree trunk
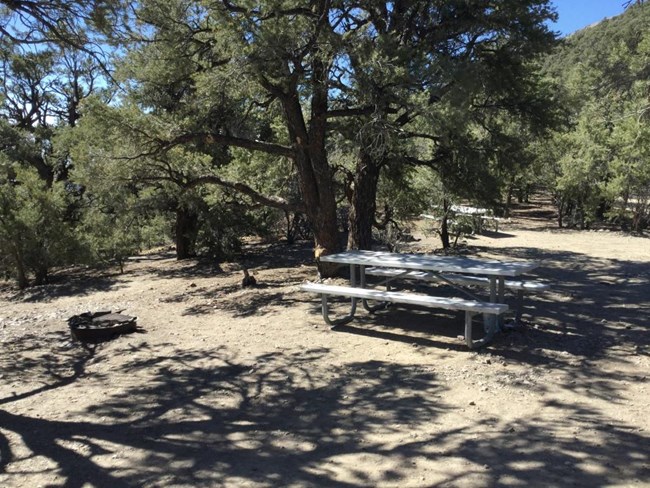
column 363, row 203
column 21, row 273
column 315, row 175
column 187, row 226
column 511, row 187
column 444, row 227
column 41, row 275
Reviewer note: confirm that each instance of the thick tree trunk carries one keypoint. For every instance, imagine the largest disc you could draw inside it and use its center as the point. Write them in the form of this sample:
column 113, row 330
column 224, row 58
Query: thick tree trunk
column 315, row 174
column 363, row 203
column 187, row 226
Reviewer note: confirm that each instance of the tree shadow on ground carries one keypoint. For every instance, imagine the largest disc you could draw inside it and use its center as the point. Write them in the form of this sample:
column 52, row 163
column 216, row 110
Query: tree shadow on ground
column 493, row 234
column 266, row 255
column 53, row 359
column 258, row 255
column 274, row 420
column 597, row 308
column 586, row 291
column 189, row 269
column 240, row 302
column 69, row 284
column 203, row 418
column 418, row 326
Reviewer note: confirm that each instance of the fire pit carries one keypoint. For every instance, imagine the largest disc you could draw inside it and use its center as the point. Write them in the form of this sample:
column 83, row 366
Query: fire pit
column 104, row 325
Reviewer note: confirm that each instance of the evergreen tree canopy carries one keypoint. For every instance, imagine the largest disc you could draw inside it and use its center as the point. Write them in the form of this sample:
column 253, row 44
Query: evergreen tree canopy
column 604, row 160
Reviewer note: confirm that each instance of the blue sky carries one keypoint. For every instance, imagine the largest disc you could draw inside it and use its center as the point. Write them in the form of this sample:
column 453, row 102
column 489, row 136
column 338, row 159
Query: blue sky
column 576, row 14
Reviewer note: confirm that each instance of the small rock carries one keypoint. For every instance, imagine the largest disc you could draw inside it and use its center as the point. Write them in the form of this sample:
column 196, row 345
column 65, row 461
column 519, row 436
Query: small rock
column 472, row 403
column 192, row 285
column 628, row 326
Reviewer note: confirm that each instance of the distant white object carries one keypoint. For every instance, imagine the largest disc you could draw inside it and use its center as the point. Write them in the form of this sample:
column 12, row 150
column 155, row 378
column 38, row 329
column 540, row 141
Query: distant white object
column 462, row 209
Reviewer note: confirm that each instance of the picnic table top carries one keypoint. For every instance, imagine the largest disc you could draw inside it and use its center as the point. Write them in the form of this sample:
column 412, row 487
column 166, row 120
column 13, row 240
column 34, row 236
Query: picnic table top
column 464, row 209
column 429, row 262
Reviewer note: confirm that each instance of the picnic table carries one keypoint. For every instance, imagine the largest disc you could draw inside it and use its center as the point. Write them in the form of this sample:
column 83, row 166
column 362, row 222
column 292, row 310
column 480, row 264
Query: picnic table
column 479, row 216
column 458, row 272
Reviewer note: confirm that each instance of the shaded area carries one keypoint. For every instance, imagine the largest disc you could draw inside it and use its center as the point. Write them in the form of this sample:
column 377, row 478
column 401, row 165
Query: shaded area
column 209, row 418
column 594, row 305
column 266, row 255
column 596, row 309
column 188, row 269
column 274, row 421
column 586, row 292
column 53, row 360
column 417, row 326
column 69, row 283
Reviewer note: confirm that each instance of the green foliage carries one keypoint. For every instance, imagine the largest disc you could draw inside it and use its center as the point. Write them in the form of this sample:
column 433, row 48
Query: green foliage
column 602, row 162
column 446, row 69
column 33, row 232
column 227, row 107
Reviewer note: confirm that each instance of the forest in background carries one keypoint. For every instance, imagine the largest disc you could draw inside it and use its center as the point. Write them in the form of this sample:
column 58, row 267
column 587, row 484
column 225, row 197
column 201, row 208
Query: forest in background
column 126, row 126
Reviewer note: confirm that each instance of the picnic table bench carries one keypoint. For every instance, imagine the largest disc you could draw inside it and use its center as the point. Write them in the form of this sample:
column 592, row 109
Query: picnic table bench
column 452, row 270
column 470, row 307
column 520, row 286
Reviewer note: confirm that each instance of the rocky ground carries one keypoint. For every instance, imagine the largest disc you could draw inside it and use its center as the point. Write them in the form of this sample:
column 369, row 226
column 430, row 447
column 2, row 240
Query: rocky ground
column 224, row 386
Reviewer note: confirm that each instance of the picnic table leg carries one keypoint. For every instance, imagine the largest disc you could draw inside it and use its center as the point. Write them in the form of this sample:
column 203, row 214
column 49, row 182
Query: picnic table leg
column 490, row 326
column 369, row 308
column 491, row 321
column 493, row 289
column 341, row 321
column 519, row 305
column 501, row 286
column 353, row 301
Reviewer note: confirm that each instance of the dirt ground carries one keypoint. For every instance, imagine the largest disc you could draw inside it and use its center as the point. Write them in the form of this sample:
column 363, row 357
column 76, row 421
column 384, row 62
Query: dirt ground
column 224, row 386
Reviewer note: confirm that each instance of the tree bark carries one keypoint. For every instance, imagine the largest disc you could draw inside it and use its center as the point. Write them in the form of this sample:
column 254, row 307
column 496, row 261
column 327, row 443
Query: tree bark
column 41, row 275
column 21, row 273
column 187, row 226
column 315, row 174
column 444, row 226
column 363, row 202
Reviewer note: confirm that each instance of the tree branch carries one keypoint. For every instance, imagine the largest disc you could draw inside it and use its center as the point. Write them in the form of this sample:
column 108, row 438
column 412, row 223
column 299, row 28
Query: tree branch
column 269, row 201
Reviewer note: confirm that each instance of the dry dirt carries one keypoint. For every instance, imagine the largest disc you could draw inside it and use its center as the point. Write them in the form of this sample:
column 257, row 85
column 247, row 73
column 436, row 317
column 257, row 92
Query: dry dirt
column 224, row 386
